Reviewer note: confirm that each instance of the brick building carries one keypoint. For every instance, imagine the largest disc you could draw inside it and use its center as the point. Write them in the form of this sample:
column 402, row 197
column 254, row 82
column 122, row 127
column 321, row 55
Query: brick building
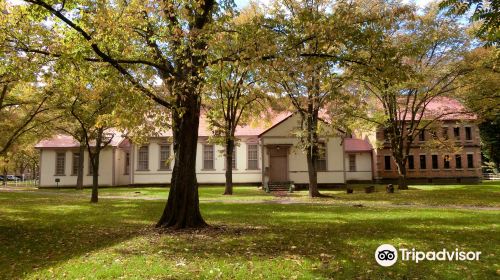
column 433, row 166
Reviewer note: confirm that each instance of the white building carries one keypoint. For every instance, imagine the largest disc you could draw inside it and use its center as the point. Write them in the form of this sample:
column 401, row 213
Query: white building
column 267, row 153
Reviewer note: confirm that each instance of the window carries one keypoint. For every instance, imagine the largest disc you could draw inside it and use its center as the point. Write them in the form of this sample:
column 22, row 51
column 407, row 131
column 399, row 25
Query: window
column 421, row 135
column 143, row 158
column 445, row 132
column 164, row 157
column 468, row 133
column 386, row 135
column 76, row 164
column 352, row 162
column 253, row 156
column 435, row 162
column 208, row 156
column 423, row 163
column 456, row 132
column 446, row 161
column 127, row 163
column 60, row 163
column 458, row 161
column 387, row 162
column 411, row 163
column 470, row 161
column 321, row 159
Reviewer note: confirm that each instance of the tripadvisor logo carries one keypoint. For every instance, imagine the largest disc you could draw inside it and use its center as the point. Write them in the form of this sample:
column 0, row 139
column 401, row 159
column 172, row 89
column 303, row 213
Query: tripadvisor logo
column 387, row 255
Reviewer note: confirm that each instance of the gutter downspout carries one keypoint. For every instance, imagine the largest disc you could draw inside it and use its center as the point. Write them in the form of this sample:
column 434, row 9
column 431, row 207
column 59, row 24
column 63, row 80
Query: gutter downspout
column 113, row 164
column 40, row 169
column 132, row 162
column 373, row 165
column 343, row 159
column 261, row 142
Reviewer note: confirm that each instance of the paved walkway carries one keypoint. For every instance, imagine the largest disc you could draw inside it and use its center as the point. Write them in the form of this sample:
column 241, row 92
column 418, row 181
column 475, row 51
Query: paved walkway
column 276, row 200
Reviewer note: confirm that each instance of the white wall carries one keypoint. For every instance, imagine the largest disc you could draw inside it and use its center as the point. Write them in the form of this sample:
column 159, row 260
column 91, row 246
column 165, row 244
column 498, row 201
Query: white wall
column 217, row 176
column 48, row 168
column 363, row 167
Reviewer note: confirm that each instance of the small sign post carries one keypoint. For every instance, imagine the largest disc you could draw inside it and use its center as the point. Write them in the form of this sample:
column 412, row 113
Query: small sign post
column 57, row 182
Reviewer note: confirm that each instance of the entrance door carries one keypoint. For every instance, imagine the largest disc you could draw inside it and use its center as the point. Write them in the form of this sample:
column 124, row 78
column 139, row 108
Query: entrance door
column 278, row 165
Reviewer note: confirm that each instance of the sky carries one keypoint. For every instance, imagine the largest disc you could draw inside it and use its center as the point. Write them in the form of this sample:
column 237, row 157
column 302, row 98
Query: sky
column 243, row 3
column 420, row 3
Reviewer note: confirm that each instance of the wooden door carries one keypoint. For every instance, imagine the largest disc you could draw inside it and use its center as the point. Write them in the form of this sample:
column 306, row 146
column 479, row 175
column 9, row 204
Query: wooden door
column 278, row 165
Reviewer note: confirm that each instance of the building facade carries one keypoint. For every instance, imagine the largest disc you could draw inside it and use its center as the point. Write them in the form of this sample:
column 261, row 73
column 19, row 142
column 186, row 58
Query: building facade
column 461, row 165
column 268, row 153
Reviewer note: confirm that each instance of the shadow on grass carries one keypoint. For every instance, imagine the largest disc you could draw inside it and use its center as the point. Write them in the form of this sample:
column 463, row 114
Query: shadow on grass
column 36, row 232
column 278, row 240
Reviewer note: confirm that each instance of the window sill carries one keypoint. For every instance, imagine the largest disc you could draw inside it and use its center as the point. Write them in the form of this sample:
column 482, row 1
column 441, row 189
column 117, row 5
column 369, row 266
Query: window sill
column 253, row 169
column 142, row 170
column 59, row 174
column 165, row 169
column 207, row 169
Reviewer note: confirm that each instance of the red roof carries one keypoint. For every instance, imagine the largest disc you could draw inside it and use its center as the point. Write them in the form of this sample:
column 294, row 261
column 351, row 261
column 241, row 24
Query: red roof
column 59, row 141
column 254, row 128
column 443, row 108
column 451, row 109
column 357, row 145
column 66, row 141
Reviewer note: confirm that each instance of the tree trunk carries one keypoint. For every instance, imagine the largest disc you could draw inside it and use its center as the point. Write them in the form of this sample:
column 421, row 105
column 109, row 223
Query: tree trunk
column 312, row 151
column 229, row 167
column 5, row 176
column 79, row 172
column 183, row 209
column 402, row 184
column 313, row 174
column 95, row 177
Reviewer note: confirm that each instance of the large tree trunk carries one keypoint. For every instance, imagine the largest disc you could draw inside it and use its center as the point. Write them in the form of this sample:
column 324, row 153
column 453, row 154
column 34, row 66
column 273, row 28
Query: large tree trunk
column 95, row 177
column 79, row 172
column 5, row 176
column 402, row 184
column 183, row 209
column 229, row 166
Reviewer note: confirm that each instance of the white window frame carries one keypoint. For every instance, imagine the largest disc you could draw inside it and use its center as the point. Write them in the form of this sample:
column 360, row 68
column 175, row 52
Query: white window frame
column 206, row 160
column 142, row 161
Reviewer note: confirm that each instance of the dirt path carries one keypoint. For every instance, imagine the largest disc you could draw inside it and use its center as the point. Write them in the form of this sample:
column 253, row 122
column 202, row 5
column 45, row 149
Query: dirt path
column 276, row 200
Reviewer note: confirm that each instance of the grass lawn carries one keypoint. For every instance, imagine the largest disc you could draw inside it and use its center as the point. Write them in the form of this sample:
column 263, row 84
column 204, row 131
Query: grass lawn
column 49, row 234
